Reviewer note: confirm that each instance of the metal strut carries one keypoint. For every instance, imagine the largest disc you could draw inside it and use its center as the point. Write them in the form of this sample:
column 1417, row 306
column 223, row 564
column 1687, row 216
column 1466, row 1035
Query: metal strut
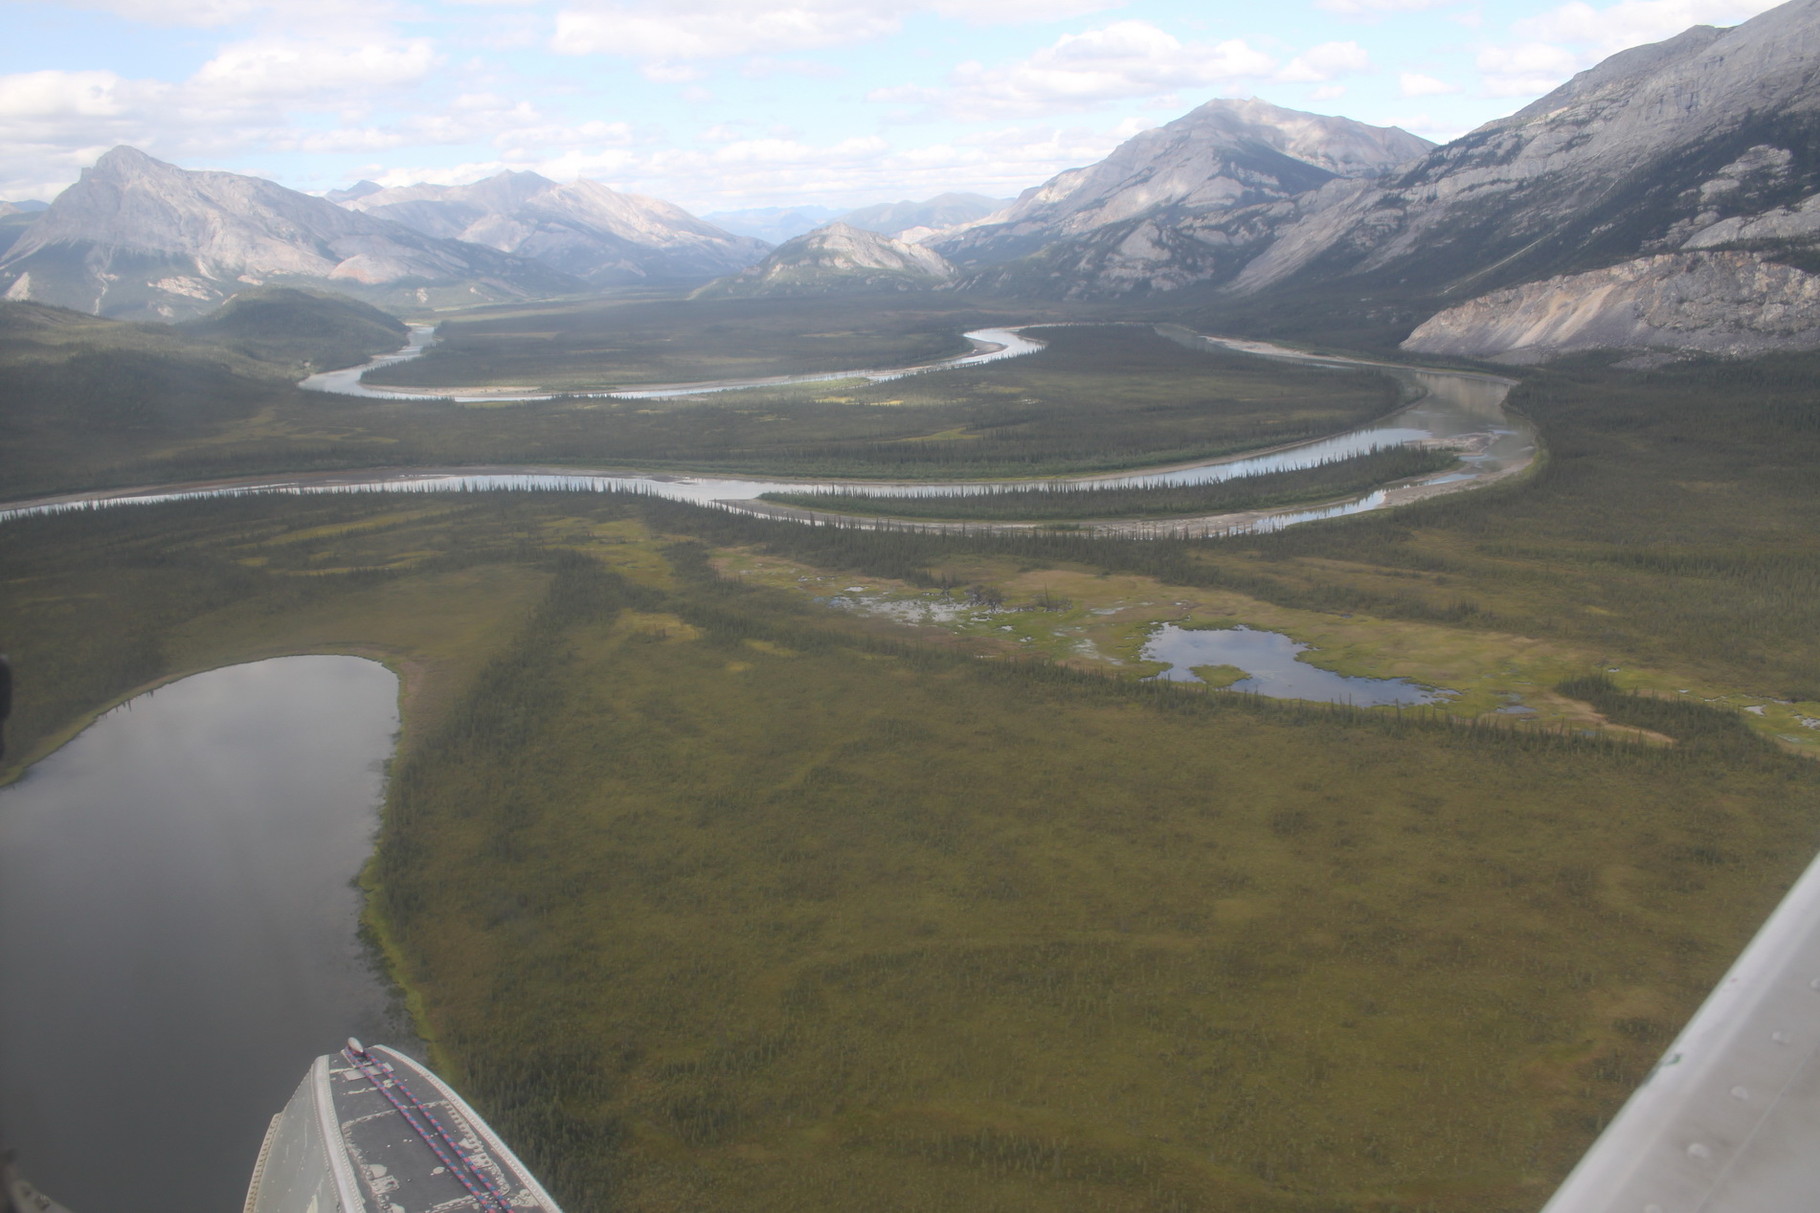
column 473, row 1177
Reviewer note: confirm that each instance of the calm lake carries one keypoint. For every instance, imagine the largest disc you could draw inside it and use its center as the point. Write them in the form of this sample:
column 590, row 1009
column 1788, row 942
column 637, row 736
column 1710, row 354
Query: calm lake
column 178, row 928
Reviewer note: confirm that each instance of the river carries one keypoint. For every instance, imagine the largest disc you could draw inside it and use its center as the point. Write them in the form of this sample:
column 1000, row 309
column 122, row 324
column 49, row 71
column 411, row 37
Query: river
column 178, row 928
column 1460, row 411
column 989, row 345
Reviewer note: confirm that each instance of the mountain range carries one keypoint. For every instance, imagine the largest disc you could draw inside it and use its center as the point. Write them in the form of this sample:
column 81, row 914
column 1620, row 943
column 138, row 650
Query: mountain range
column 777, row 224
column 601, row 236
column 1667, row 199
column 137, row 238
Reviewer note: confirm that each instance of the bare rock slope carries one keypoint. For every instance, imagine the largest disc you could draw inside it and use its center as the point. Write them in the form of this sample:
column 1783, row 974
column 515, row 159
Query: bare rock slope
column 1730, row 303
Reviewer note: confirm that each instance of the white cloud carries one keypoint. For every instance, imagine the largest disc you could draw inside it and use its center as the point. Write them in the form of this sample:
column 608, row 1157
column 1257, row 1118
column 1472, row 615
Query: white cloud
column 1324, row 62
column 793, row 154
column 175, row 12
column 303, row 15
column 54, row 124
column 1441, row 129
column 1371, row 9
column 1328, row 92
column 705, row 29
column 851, row 172
column 1016, row 12
column 1414, row 84
column 285, row 68
column 1548, row 48
column 1127, row 59
column 53, row 96
column 764, row 67
column 1603, row 31
column 671, row 73
column 1526, row 69
column 668, row 31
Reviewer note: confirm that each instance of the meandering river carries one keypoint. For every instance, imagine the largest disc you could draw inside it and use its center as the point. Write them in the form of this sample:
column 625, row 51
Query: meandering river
column 1460, row 411
column 178, row 928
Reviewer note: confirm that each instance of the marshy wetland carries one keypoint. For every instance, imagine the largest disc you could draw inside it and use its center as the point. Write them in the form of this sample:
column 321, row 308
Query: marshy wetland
column 716, row 892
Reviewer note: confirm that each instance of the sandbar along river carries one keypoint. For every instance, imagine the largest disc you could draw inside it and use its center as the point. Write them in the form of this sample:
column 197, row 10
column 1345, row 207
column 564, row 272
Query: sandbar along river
column 1460, row 411
column 179, row 928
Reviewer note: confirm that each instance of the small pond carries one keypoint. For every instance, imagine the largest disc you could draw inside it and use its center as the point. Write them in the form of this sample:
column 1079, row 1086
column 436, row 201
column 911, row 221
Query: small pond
column 178, row 928
column 1271, row 660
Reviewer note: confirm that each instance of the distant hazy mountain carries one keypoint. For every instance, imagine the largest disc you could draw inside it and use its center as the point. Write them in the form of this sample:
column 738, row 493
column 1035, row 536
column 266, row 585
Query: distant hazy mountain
column 15, row 217
column 142, row 239
column 933, row 215
column 1225, row 159
column 600, row 235
column 834, row 260
column 773, row 224
column 1608, row 197
column 360, row 189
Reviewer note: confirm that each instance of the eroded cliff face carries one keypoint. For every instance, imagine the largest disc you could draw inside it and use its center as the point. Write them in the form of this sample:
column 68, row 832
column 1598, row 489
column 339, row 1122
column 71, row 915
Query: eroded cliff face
column 1731, row 303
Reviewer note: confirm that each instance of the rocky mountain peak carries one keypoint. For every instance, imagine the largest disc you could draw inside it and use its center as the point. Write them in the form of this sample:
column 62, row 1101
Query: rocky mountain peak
column 1224, row 154
column 1339, row 145
column 359, row 189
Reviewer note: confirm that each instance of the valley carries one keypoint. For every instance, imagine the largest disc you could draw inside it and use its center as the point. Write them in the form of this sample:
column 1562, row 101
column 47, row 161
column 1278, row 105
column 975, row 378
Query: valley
column 739, row 719
column 1304, row 732
column 847, row 950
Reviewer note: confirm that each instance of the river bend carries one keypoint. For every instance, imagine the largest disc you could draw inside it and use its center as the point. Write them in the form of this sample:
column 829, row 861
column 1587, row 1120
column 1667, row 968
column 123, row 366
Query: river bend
column 1459, row 411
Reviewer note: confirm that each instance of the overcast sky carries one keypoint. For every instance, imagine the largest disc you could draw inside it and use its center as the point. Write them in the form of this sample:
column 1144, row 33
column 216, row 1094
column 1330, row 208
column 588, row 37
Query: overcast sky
column 726, row 104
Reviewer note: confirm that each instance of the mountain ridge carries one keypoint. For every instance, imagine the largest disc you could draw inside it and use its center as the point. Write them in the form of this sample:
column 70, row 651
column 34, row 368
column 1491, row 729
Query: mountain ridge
column 603, row 236
column 138, row 238
column 1221, row 155
column 1706, row 141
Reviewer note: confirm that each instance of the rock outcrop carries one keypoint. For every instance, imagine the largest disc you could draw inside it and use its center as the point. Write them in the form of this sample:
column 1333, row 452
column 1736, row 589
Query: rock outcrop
column 1730, row 303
